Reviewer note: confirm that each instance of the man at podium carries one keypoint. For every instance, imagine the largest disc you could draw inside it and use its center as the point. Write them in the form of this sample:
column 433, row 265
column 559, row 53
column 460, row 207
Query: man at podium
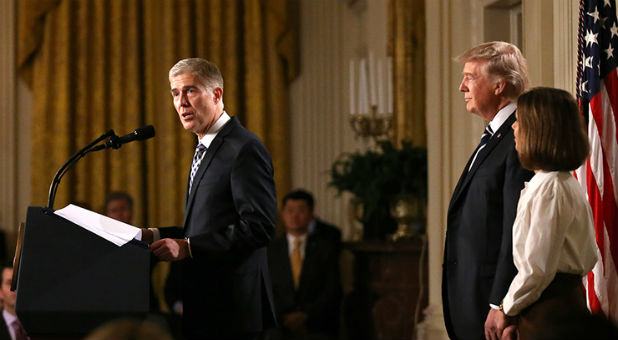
column 230, row 214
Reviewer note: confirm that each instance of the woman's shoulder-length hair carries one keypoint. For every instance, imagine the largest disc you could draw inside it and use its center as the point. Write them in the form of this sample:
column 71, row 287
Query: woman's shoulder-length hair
column 552, row 134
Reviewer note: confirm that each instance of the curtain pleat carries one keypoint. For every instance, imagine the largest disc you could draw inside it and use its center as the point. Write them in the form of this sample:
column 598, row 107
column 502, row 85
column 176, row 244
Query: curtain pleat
column 166, row 40
column 407, row 47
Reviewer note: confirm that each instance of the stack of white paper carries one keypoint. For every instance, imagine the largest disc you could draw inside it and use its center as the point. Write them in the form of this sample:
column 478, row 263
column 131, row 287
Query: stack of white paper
column 108, row 228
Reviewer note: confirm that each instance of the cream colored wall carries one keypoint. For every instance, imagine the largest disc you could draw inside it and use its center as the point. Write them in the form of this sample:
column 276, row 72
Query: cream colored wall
column 550, row 42
column 332, row 32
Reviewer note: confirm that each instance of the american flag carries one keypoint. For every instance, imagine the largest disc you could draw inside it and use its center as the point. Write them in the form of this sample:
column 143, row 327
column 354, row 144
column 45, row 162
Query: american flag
column 597, row 92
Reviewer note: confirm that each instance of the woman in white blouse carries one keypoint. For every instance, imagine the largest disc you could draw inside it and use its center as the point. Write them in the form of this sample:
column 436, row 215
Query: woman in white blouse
column 553, row 233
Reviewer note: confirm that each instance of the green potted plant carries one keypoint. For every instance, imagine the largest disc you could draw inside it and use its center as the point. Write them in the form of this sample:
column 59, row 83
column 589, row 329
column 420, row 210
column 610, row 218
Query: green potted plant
column 377, row 178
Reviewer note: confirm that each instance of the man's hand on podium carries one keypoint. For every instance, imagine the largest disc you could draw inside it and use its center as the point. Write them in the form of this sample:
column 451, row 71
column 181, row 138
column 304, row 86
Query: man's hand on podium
column 170, row 249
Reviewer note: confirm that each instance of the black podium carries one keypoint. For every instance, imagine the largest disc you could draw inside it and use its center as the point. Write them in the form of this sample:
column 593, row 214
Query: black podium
column 70, row 280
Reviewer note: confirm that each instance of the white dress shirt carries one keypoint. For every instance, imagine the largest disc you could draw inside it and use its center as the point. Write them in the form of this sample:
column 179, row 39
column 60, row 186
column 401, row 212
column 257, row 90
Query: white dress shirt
column 214, row 130
column 502, row 115
column 8, row 319
column 553, row 232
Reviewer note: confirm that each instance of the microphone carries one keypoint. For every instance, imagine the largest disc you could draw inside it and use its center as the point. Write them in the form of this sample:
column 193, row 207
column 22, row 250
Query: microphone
column 114, row 141
column 141, row 133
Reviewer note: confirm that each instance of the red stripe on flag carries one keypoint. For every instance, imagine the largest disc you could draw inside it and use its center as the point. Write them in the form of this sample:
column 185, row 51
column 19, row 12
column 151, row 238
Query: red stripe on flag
column 604, row 208
column 609, row 212
column 594, row 196
column 611, row 86
column 593, row 300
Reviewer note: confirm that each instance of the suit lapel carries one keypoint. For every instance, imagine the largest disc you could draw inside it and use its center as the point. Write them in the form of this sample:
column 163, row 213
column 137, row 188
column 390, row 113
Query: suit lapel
column 462, row 178
column 309, row 255
column 283, row 258
column 208, row 157
column 284, row 255
column 504, row 131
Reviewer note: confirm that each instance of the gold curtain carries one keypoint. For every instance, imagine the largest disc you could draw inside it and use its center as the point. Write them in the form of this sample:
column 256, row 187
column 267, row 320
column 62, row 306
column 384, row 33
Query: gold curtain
column 407, row 47
column 96, row 65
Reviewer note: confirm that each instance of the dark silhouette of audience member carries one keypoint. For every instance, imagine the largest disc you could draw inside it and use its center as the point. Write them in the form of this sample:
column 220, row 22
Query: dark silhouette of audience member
column 10, row 327
column 304, row 266
column 173, row 293
column 173, row 298
column 129, row 329
column 119, row 206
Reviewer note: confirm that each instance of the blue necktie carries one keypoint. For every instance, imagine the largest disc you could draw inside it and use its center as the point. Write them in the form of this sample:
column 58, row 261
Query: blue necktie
column 197, row 159
column 484, row 139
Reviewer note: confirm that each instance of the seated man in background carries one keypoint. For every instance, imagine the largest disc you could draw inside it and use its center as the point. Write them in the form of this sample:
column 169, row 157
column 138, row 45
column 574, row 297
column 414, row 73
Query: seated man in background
column 119, row 206
column 10, row 327
column 302, row 205
column 304, row 266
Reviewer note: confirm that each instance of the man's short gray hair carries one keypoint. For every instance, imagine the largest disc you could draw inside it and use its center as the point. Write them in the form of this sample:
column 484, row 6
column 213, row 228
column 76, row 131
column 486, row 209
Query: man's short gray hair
column 505, row 61
column 207, row 72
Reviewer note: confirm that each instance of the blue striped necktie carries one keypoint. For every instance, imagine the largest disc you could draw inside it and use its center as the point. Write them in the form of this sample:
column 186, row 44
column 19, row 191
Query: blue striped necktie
column 197, row 159
column 484, row 139
column 486, row 135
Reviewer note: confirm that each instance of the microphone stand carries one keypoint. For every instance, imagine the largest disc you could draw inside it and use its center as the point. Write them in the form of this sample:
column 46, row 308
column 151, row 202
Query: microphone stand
column 53, row 188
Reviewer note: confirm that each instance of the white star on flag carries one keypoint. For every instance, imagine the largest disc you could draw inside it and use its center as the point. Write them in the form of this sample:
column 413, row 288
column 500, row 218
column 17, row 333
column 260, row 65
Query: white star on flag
column 588, row 61
column 614, row 30
column 594, row 14
column 590, row 38
column 582, row 86
column 609, row 51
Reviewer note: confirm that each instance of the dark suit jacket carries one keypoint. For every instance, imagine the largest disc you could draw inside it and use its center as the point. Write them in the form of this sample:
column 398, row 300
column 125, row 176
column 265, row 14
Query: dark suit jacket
column 4, row 330
column 319, row 288
column 478, row 262
column 229, row 218
column 327, row 231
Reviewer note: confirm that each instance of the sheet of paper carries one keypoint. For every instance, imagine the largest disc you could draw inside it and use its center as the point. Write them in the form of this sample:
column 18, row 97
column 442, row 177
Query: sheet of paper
column 108, row 228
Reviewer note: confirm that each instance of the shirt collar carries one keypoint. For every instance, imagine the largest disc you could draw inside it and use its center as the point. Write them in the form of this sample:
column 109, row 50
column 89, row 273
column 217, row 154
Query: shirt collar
column 8, row 317
column 214, row 129
column 291, row 239
column 502, row 116
column 539, row 177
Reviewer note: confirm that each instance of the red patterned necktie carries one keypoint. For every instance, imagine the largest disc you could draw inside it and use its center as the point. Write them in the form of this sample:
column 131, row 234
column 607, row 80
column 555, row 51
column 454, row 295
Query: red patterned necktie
column 20, row 332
